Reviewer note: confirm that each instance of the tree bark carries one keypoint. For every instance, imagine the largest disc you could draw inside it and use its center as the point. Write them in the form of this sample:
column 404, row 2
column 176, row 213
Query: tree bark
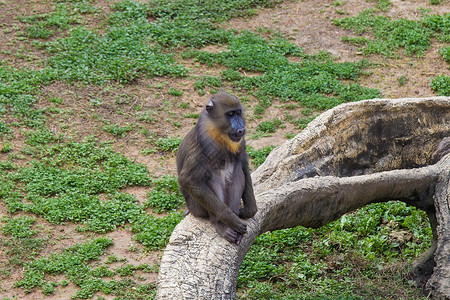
column 350, row 156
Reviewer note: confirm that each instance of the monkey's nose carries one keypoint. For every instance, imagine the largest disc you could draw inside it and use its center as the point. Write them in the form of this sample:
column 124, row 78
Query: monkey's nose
column 240, row 132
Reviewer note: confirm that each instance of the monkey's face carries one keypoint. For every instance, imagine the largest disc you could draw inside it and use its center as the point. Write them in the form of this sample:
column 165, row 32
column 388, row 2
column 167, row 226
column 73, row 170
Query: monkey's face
column 226, row 121
column 237, row 126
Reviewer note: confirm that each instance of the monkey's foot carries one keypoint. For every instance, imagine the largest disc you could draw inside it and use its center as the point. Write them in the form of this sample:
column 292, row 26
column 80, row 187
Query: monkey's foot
column 229, row 234
column 233, row 236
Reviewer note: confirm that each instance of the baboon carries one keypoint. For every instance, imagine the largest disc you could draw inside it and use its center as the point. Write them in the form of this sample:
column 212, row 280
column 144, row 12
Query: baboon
column 213, row 171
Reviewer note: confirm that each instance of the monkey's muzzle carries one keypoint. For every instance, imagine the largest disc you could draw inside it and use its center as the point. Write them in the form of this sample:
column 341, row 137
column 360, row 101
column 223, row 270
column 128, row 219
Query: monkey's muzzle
column 237, row 135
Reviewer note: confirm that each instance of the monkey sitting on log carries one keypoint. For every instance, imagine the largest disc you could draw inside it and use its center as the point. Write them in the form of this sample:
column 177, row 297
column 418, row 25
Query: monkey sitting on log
column 213, row 171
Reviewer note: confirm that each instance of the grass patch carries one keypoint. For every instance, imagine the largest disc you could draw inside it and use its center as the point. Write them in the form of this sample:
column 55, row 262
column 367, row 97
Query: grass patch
column 389, row 36
column 189, row 23
column 169, row 144
column 64, row 186
column 72, row 262
column 316, row 82
column 117, row 130
column 153, row 232
column 269, row 126
column 165, row 195
column 359, row 245
column 259, row 156
column 445, row 53
column 122, row 54
column 19, row 227
column 441, row 85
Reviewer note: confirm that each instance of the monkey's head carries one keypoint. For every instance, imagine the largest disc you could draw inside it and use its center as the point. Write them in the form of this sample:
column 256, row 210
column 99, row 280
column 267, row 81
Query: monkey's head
column 226, row 120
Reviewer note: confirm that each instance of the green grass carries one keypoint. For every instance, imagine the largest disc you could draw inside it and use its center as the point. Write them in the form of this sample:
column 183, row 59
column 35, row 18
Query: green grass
column 73, row 262
column 169, row 144
column 259, row 156
column 356, row 246
column 389, row 35
column 164, row 195
column 445, row 53
column 269, row 126
column 317, row 81
column 441, row 84
column 117, row 130
column 19, row 227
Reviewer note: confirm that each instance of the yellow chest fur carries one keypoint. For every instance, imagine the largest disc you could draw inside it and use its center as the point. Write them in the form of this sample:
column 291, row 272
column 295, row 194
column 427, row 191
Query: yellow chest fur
column 222, row 139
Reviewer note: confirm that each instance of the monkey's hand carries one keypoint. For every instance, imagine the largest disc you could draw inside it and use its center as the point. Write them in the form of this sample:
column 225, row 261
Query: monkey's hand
column 247, row 212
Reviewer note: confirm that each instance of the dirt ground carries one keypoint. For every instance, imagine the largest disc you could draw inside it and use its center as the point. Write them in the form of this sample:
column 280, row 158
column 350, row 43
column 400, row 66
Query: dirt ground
column 306, row 23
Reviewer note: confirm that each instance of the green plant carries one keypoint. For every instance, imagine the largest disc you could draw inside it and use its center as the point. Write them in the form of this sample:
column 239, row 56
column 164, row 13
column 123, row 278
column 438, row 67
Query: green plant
column 277, row 266
column 165, row 195
column 445, row 53
column 205, row 81
column 73, row 263
column 315, row 82
column 269, row 126
column 168, row 144
column 402, row 80
column 259, row 156
column 6, row 147
column 154, row 232
column 441, row 85
column 117, row 130
column 19, row 227
column 414, row 37
column 121, row 54
column 175, row 92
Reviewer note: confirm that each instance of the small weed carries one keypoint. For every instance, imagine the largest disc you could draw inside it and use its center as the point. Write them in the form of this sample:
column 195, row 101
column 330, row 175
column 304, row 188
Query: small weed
column 300, row 123
column 148, row 116
column 384, row 5
column 117, row 130
column 269, row 126
column 6, row 147
column 191, row 115
column 402, row 80
column 175, row 92
column 207, row 81
column 445, row 53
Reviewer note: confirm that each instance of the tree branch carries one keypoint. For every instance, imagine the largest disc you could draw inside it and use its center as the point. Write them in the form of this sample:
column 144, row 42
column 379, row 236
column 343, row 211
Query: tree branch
column 350, row 156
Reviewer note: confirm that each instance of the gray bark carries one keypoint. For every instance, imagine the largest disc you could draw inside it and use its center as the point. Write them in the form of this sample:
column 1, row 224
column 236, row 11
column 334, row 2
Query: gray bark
column 350, row 156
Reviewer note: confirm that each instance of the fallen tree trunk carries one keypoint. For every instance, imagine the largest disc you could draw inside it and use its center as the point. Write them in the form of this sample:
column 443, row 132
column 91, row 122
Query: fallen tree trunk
column 348, row 157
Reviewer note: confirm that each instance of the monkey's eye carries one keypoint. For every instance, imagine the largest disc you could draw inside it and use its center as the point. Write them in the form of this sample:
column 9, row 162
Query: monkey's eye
column 231, row 113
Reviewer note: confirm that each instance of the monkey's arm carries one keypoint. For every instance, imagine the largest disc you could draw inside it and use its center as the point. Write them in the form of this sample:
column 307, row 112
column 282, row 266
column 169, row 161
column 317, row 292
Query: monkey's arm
column 202, row 193
column 248, row 197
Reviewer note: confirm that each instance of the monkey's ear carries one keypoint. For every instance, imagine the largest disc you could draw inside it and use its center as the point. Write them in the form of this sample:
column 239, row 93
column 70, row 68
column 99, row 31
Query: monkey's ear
column 209, row 106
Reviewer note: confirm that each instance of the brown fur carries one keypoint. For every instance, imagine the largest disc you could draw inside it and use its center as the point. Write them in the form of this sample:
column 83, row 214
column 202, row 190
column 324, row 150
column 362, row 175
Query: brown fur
column 213, row 172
